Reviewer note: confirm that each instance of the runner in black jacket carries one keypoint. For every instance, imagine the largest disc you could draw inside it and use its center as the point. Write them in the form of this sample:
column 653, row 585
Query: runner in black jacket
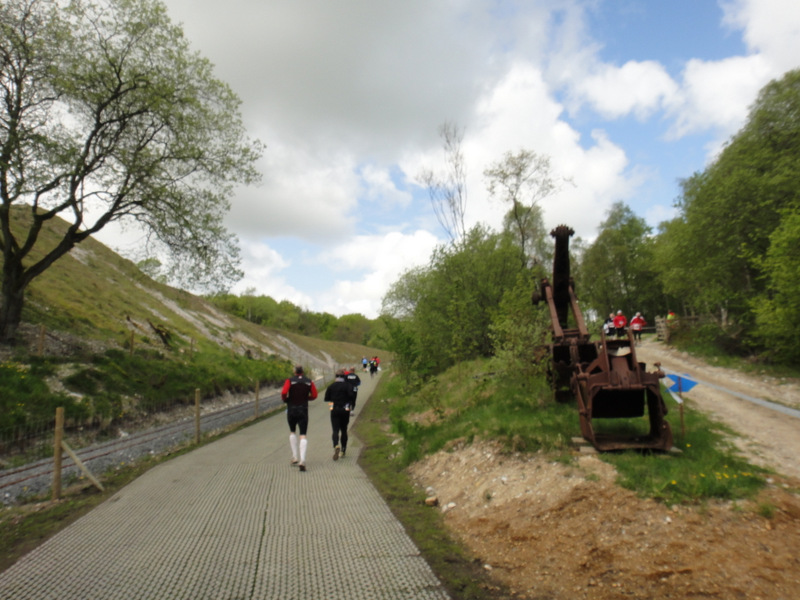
column 340, row 396
column 354, row 381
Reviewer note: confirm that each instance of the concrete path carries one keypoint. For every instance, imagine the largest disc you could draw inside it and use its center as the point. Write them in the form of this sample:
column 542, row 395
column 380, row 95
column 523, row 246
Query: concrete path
column 233, row 520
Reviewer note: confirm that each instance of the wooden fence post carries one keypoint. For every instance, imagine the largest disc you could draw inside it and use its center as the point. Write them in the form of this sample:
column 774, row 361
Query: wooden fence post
column 197, row 415
column 41, row 340
column 58, row 438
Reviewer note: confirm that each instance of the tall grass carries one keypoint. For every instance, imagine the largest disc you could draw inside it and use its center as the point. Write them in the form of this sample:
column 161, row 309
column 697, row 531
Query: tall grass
column 473, row 401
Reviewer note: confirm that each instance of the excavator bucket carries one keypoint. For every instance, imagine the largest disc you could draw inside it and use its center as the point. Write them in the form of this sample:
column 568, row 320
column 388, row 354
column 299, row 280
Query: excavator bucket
column 616, row 386
column 604, row 377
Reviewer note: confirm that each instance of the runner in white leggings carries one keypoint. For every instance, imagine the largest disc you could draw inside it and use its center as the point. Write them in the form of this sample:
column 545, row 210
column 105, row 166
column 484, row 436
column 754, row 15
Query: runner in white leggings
column 297, row 392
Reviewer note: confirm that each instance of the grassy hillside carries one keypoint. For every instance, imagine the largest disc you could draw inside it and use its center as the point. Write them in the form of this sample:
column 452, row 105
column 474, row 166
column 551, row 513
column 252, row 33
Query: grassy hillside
column 107, row 342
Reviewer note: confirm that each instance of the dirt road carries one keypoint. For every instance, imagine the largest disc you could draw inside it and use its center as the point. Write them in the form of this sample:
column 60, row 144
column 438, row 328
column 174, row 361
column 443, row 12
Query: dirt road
column 768, row 438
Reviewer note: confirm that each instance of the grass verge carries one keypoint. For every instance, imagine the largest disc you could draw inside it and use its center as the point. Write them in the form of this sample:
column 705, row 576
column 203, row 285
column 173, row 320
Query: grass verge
column 470, row 401
column 707, row 466
column 459, row 572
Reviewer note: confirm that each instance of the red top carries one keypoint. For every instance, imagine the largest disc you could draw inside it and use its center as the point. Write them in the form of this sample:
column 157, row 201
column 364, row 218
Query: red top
column 638, row 323
column 298, row 390
column 620, row 321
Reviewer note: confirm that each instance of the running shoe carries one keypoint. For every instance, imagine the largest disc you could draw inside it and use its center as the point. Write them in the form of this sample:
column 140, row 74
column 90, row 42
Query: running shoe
column 336, row 453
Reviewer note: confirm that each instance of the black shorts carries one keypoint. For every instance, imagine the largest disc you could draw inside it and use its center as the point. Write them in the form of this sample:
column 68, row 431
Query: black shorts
column 297, row 417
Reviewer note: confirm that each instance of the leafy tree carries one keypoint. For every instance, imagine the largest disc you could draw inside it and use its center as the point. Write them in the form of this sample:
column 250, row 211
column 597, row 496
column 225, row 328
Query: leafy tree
column 522, row 180
column 152, row 268
column 443, row 314
column 617, row 270
column 353, row 328
column 777, row 312
column 107, row 115
column 520, row 332
column 712, row 255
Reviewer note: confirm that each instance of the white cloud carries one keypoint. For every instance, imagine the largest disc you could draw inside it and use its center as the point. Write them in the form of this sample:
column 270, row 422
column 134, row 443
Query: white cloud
column 521, row 112
column 380, row 187
column 638, row 88
column 366, row 266
column 717, row 95
column 263, row 268
column 348, row 98
column 770, row 28
column 302, row 195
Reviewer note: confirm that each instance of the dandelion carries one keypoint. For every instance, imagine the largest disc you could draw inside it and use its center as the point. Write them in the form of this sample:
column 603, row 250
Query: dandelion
column 688, row 445
column 674, row 482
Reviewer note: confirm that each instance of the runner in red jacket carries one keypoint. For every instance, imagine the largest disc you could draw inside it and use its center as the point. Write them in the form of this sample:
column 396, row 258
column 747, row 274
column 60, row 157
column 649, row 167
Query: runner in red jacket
column 637, row 325
column 297, row 392
column 619, row 323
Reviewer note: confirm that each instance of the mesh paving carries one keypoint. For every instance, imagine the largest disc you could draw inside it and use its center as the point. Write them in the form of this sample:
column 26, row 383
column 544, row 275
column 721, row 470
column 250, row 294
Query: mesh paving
column 233, row 520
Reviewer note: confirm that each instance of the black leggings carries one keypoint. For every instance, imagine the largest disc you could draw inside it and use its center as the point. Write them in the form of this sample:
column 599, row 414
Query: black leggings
column 297, row 416
column 339, row 422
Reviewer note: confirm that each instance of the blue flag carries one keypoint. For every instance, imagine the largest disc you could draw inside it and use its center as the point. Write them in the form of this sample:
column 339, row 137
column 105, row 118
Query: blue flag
column 681, row 383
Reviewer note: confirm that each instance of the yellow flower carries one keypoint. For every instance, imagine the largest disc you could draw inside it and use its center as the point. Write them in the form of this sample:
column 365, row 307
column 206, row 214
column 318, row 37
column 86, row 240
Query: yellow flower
column 674, row 482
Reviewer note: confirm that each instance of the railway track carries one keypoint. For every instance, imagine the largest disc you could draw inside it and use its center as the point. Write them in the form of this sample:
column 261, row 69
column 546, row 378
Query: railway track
column 36, row 477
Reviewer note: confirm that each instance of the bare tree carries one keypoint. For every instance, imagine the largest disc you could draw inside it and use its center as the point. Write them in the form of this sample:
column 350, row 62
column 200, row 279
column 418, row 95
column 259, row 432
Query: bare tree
column 448, row 190
column 522, row 179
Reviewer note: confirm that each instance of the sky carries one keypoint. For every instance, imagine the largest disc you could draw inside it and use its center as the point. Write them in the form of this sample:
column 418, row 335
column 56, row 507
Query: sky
column 626, row 97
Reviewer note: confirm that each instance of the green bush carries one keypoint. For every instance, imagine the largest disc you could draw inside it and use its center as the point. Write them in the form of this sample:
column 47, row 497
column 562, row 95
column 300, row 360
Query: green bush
column 149, row 380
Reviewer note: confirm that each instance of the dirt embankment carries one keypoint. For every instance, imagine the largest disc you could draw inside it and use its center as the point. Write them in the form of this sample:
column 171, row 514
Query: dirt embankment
column 554, row 531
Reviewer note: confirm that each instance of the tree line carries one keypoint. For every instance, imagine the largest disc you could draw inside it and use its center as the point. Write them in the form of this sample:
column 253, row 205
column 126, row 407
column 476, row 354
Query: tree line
column 730, row 258
column 268, row 312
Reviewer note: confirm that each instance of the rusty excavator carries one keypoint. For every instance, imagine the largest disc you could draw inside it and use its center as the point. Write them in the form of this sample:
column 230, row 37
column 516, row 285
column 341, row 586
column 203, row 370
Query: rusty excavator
column 603, row 376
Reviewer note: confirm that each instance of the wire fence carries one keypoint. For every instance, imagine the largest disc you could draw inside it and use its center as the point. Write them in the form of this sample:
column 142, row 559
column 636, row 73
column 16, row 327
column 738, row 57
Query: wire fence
column 21, row 444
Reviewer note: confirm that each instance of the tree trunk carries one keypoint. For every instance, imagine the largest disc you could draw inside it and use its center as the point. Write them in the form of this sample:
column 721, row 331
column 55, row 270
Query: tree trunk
column 13, row 298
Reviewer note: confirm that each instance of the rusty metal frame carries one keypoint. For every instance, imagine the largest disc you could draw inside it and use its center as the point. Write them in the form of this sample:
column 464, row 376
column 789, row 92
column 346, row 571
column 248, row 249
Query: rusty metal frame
column 605, row 378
